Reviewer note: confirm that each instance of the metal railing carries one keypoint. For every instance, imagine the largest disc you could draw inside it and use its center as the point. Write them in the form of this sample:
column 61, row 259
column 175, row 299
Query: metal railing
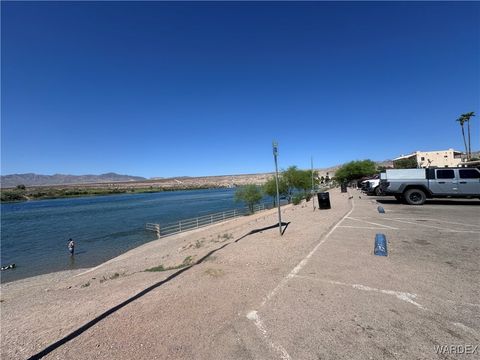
column 153, row 227
column 201, row 221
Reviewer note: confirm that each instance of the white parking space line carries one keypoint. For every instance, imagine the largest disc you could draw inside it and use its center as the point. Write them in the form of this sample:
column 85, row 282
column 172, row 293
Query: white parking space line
column 462, row 231
column 463, row 303
column 441, row 221
column 401, row 295
column 372, row 223
column 253, row 315
column 362, row 227
column 430, row 226
column 465, row 328
column 304, row 261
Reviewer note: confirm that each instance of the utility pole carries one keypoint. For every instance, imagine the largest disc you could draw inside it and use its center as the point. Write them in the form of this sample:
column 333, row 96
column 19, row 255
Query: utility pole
column 275, row 154
column 313, row 186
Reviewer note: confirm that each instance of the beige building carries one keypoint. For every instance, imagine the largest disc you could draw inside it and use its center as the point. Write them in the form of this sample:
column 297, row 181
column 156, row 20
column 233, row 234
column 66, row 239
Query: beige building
column 441, row 158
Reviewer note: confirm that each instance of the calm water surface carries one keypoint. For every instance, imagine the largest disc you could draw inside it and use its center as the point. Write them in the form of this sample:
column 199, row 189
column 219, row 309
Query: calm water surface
column 34, row 234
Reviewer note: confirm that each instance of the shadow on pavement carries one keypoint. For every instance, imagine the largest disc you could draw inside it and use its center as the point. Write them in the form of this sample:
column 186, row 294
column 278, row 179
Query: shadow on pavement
column 263, row 229
column 110, row 311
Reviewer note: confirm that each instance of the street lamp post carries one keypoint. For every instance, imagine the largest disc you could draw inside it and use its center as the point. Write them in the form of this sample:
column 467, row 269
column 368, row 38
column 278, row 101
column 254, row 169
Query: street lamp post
column 275, row 154
column 313, row 186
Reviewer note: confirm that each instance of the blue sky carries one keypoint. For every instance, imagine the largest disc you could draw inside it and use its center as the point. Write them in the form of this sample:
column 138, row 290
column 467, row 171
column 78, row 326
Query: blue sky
column 171, row 89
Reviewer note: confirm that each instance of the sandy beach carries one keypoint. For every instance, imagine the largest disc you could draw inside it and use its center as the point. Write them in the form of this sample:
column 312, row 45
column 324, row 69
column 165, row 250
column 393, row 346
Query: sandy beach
column 175, row 316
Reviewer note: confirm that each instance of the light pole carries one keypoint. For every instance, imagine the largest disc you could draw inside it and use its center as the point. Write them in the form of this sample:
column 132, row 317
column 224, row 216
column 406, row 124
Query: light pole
column 313, row 186
column 275, row 154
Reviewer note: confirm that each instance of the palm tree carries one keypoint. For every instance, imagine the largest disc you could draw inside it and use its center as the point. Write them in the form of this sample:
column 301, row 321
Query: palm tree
column 466, row 117
column 462, row 120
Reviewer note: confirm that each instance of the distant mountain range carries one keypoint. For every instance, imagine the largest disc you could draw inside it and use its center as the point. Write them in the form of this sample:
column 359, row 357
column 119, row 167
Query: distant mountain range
column 60, row 179
column 10, row 181
column 31, row 179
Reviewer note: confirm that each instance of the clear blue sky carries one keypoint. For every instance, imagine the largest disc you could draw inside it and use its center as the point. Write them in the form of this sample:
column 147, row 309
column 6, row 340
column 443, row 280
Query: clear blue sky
column 170, row 89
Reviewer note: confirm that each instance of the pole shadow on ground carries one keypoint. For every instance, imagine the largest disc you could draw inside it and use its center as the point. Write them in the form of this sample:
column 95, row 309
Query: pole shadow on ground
column 112, row 310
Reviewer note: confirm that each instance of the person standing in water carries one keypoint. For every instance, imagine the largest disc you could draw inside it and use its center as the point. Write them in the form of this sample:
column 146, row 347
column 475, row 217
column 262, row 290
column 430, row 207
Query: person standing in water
column 71, row 246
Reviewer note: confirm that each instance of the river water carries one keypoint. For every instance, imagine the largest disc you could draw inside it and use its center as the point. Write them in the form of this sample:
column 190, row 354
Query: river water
column 34, row 234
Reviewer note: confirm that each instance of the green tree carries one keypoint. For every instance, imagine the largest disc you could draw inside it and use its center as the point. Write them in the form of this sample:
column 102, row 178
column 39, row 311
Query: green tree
column 291, row 180
column 304, row 181
column 466, row 118
column 355, row 170
column 289, row 176
column 461, row 121
column 408, row 163
column 381, row 168
column 296, row 179
column 270, row 188
column 249, row 194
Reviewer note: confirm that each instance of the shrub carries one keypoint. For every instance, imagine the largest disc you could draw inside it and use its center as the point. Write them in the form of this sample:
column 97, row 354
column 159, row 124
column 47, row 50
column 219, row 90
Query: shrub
column 186, row 262
column 297, row 199
column 12, row 195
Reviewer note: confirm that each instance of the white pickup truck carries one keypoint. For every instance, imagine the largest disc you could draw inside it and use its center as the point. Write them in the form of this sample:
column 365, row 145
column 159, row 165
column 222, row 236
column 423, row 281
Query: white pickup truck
column 414, row 186
column 372, row 186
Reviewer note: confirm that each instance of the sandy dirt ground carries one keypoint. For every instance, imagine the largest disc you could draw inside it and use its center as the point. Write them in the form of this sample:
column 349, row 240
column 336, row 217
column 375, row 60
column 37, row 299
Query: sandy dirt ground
column 187, row 316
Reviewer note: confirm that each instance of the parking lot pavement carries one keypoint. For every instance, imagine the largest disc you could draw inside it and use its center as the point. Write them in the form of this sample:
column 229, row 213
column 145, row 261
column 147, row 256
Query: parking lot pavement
column 343, row 302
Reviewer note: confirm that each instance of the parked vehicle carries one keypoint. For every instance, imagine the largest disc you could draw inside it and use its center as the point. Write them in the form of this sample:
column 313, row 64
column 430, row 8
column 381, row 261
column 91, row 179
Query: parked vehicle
column 414, row 186
column 372, row 187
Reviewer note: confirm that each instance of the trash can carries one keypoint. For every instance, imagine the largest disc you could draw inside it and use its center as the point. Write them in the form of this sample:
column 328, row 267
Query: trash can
column 324, row 200
column 343, row 188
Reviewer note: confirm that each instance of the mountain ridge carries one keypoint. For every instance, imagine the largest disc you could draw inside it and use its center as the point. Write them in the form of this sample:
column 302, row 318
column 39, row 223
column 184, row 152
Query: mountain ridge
column 32, row 179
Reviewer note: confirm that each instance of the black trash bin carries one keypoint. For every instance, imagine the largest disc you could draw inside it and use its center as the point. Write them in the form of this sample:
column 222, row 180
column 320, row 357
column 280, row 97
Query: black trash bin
column 343, row 187
column 324, row 200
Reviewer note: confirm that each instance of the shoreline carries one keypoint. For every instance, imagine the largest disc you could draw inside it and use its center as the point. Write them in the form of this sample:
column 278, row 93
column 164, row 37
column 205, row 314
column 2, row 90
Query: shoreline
column 107, row 236
column 121, row 256
column 40, row 310
column 29, row 198
column 22, row 192
column 73, row 273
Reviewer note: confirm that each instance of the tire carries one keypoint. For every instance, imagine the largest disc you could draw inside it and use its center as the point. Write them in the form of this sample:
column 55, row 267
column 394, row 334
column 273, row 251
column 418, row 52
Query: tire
column 415, row 197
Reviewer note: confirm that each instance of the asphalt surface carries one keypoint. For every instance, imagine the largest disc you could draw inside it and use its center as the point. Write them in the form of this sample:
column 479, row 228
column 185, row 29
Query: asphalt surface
column 422, row 301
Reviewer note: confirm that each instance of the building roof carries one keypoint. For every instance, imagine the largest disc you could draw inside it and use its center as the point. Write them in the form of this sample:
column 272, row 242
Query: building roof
column 405, row 156
column 455, row 152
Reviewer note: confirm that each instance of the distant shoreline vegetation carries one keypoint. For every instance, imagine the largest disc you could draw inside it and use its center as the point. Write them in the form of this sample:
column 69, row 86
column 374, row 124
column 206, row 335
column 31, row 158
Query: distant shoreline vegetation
column 22, row 193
